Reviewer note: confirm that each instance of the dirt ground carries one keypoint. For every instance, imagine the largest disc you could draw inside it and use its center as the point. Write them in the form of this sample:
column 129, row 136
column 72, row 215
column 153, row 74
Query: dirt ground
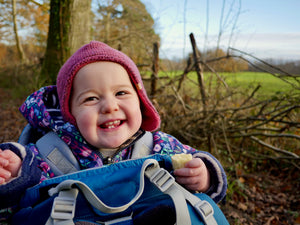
column 266, row 197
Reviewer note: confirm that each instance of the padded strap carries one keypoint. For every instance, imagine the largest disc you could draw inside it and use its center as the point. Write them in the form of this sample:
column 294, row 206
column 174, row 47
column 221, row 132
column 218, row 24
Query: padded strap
column 57, row 154
column 24, row 138
column 143, row 146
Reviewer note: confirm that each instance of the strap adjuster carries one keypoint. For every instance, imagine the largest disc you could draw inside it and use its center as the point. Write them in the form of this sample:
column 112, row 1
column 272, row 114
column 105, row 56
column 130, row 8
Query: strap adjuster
column 162, row 179
column 205, row 210
column 63, row 207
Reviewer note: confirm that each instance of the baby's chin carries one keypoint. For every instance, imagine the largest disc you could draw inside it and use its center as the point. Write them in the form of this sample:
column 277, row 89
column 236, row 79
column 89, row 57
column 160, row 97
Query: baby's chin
column 114, row 145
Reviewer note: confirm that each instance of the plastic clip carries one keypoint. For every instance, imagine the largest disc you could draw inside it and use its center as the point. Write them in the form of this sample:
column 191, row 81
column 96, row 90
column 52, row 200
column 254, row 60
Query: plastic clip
column 162, row 179
column 63, row 208
column 205, row 210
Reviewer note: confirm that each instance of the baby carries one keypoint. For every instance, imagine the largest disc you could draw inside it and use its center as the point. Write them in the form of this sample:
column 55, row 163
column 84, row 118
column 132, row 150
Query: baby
column 100, row 109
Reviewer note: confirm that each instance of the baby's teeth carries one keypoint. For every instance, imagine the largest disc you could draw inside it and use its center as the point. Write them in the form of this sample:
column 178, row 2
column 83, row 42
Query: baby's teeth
column 112, row 124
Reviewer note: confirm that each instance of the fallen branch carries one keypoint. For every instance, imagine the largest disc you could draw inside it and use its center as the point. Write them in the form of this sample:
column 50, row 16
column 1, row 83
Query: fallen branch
column 274, row 148
column 266, row 135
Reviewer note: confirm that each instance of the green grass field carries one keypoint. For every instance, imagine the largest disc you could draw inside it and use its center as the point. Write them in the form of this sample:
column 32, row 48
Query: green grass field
column 270, row 85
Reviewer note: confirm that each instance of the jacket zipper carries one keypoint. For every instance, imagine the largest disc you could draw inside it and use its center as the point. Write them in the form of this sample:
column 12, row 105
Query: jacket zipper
column 110, row 159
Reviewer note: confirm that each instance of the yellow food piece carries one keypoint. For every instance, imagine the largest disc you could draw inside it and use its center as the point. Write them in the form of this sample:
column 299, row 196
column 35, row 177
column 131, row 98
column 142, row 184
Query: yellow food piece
column 179, row 160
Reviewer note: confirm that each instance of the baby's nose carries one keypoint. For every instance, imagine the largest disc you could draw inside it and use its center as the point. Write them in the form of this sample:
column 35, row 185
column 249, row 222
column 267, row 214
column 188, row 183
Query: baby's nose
column 109, row 105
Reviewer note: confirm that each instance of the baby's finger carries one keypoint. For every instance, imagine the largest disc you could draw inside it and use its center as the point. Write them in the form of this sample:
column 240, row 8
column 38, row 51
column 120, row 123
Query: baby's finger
column 187, row 180
column 7, row 154
column 187, row 172
column 2, row 180
column 4, row 173
column 194, row 163
column 3, row 162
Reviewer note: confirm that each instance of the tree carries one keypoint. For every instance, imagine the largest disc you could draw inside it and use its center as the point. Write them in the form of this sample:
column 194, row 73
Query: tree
column 29, row 16
column 69, row 28
column 21, row 53
column 126, row 24
column 224, row 63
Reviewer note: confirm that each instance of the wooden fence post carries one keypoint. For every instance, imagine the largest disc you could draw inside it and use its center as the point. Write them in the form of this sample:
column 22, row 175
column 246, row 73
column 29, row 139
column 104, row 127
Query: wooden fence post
column 155, row 68
column 199, row 71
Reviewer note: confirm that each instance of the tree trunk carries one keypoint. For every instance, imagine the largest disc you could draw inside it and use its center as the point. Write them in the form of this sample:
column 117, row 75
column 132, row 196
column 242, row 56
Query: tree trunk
column 69, row 28
column 18, row 44
column 80, row 25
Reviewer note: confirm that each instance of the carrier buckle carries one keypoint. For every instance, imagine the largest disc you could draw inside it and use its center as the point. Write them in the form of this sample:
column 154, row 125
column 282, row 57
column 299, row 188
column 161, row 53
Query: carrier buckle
column 64, row 204
column 162, row 179
column 205, row 210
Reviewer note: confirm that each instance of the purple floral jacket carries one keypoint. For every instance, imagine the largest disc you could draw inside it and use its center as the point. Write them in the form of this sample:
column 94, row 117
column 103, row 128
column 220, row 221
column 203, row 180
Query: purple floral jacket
column 41, row 110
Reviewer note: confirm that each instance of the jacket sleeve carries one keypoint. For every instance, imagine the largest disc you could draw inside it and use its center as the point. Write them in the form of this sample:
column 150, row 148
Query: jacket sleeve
column 167, row 144
column 29, row 175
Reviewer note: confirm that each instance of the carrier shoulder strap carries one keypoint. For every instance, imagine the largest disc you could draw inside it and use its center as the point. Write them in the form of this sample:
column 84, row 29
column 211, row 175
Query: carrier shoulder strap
column 57, row 154
column 143, row 146
column 24, row 138
column 52, row 149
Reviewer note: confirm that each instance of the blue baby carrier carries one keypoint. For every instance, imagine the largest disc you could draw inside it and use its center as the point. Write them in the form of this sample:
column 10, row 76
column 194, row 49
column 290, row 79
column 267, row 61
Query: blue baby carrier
column 137, row 191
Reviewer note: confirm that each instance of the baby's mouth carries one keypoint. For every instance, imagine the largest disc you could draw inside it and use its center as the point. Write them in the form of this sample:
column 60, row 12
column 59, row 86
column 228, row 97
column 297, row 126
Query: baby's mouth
column 111, row 124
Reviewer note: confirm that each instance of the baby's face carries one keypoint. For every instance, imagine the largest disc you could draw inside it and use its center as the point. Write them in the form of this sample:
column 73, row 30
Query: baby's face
column 105, row 105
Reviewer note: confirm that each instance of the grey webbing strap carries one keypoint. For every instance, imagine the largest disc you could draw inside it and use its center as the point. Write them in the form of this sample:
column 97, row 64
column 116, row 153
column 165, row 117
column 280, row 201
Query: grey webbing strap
column 57, row 154
column 166, row 183
column 203, row 208
column 162, row 179
column 63, row 208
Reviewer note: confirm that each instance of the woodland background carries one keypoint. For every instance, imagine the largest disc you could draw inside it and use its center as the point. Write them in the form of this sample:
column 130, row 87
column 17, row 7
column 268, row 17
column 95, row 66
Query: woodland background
column 255, row 136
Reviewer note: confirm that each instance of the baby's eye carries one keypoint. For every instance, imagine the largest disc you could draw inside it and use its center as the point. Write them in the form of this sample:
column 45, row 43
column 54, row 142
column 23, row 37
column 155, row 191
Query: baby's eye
column 121, row 93
column 89, row 99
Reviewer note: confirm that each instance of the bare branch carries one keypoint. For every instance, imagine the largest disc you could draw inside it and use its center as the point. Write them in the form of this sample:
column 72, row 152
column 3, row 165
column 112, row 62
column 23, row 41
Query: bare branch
column 46, row 7
column 274, row 148
column 266, row 135
column 262, row 61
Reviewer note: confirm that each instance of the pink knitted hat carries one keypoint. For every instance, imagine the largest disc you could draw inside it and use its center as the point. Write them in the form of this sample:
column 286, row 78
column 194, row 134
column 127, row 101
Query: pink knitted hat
column 94, row 52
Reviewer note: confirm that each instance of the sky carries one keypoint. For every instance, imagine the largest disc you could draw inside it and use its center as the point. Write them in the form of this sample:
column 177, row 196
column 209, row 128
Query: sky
column 267, row 29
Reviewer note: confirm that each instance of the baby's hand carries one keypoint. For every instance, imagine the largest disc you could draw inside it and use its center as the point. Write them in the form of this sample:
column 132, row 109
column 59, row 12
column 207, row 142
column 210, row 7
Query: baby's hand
column 10, row 165
column 194, row 176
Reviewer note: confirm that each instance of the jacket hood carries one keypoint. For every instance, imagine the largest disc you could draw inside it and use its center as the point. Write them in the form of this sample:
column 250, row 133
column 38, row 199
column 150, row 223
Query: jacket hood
column 41, row 109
